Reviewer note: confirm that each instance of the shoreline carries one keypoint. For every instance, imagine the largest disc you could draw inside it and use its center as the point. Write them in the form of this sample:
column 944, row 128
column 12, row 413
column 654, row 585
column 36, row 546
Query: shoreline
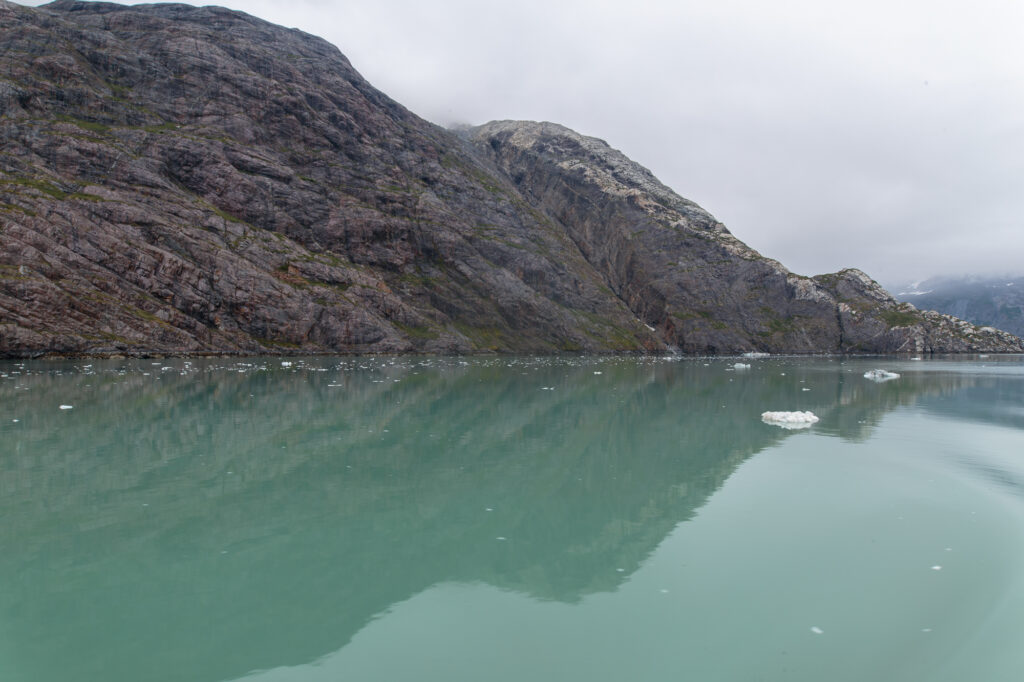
column 146, row 355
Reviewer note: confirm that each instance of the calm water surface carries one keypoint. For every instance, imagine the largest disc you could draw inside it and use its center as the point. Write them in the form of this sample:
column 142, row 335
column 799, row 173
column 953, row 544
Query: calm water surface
column 510, row 519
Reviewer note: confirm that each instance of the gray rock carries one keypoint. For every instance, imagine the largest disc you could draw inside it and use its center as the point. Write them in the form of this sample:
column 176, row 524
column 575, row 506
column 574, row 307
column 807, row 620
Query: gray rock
column 193, row 180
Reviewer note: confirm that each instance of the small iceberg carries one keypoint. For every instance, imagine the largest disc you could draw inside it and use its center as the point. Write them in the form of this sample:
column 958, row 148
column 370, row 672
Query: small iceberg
column 880, row 375
column 756, row 355
column 740, row 365
column 789, row 420
column 67, row 407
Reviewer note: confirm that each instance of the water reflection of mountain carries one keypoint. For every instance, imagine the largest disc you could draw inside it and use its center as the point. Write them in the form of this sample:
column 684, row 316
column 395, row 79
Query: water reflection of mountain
column 230, row 521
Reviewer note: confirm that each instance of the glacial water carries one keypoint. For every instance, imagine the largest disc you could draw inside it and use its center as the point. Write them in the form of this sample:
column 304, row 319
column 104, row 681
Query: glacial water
column 511, row 519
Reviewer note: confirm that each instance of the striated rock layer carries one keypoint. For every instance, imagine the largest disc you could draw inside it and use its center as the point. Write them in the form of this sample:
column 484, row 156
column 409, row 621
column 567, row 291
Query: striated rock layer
column 177, row 179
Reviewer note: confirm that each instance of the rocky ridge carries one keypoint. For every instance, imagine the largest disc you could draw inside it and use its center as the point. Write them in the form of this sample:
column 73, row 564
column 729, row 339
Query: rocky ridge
column 176, row 179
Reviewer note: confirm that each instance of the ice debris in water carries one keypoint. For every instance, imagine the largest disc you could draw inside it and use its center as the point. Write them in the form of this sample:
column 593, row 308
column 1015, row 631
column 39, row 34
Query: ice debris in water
column 740, row 365
column 816, row 630
column 789, row 420
column 936, row 568
column 756, row 355
column 66, row 407
column 285, row 363
column 880, row 375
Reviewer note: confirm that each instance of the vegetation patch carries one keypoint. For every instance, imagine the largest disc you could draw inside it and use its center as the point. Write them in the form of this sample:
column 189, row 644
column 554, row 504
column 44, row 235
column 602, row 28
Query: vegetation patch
column 491, row 338
column 19, row 209
column 420, row 333
column 43, row 186
column 900, row 318
column 91, row 126
column 164, row 127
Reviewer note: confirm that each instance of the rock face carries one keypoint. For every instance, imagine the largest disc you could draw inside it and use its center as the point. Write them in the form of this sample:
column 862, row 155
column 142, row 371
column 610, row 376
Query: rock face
column 184, row 180
column 684, row 274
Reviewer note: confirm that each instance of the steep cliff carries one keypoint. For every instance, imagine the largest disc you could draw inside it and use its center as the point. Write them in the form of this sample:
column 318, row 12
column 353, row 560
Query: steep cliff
column 682, row 272
column 177, row 179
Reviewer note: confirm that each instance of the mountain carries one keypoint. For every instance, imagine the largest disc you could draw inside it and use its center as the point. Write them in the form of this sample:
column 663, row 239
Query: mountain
column 179, row 179
column 986, row 301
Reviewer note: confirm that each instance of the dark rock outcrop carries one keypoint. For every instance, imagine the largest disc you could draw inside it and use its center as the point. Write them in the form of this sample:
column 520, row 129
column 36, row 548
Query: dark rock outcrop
column 684, row 274
column 176, row 179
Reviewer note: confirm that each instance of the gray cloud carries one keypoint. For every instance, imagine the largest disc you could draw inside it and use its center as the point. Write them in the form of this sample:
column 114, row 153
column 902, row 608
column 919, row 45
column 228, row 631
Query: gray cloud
column 880, row 135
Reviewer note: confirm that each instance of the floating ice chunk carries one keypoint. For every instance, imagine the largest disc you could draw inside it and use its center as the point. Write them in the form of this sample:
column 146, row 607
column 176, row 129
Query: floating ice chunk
column 805, row 389
column 816, row 630
column 596, row 372
column 926, row 629
column 880, row 375
column 67, row 407
column 740, row 365
column 285, row 363
column 500, row 537
column 936, row 568
column 756, row 355
column 15, row 421
column 789, row 420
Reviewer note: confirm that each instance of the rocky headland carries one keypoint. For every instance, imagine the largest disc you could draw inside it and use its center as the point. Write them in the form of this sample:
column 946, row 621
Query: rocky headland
column 176, row 179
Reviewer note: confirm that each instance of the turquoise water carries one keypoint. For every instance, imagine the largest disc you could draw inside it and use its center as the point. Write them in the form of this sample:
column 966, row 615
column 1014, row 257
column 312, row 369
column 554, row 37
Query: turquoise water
column 510, row 519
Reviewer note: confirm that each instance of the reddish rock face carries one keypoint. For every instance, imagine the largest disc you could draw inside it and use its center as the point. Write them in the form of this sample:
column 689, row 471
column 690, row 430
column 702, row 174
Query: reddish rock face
column 182, row 180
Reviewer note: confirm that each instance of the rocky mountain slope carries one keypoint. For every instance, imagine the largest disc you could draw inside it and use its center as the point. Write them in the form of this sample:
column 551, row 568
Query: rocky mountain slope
column 177, row 179
column 990, row 301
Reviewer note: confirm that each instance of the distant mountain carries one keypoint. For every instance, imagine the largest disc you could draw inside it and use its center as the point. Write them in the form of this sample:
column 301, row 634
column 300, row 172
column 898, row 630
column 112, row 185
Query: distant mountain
column 178, row 179
column 986, row 301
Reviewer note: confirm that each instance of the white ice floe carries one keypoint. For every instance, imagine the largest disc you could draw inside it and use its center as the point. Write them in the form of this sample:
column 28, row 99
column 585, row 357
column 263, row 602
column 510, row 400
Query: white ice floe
column 880, row 375
column 740, row 365
column 67, row 407
column 816, row 630
column 286, row 364
column 756, row 355
column 789, row 420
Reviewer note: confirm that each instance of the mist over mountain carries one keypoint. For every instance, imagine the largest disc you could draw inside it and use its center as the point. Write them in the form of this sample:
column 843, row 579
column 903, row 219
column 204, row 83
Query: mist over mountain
column 191, row 180
column 983, row 300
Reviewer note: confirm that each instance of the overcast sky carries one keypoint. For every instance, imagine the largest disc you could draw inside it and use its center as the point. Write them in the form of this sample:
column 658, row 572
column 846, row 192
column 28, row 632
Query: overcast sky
column 884, row 135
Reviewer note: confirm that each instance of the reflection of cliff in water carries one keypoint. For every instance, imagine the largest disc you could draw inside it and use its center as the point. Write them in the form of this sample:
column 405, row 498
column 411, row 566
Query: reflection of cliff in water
column 244, row 520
